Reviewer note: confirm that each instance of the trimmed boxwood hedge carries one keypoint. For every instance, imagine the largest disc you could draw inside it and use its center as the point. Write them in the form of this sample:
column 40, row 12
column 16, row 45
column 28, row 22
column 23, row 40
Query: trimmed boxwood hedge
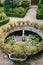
column 17, row 8
column 1, row 9
column 1, row 4
column 17, row 12
column 40, row 6
column 25, row 3
column 3, row 19
column 39, row 14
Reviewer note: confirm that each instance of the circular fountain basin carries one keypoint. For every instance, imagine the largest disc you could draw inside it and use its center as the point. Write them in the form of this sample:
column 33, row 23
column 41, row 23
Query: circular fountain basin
column 21, row 42
column 19, row 35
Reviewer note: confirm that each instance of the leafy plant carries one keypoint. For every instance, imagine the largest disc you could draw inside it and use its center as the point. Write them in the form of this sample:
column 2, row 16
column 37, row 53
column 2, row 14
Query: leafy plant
column 17, row 50
column 40, row 6
column 3, row 19
column 25, row 3
column 7, row 48
column 17, row 12
column 19, row 22
column 30, row 50
column 10, row 40
column 27, row 22
column 12, row 3
column 34, row 39
column 40, row 1
column 39, row 14
column 35, row 24
column 41, row 45
column 15, row 8
column 21, row 46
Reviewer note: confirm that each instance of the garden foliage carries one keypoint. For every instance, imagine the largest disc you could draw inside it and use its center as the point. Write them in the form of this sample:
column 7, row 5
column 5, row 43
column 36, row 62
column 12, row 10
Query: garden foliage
column 39, row 14
column 17, row 8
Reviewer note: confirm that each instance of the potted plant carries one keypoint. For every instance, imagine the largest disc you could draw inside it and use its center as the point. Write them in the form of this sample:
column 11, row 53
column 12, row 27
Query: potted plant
column 35, row 24
column 27, row 22
column 19, row 23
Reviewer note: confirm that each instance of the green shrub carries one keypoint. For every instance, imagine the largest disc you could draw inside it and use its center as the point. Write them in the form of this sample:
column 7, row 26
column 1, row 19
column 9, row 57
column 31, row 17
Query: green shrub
column 34, row 38
column 41, row 26
column 41, row 45
column 1, row 9
column 12, row 3
column 3, row 19
column 17, row 12
column 25, row 3
column 39, row 14
column 40, row 1
column 35, row 24
column 8, row 10
column 10, row 40
column 40, row 6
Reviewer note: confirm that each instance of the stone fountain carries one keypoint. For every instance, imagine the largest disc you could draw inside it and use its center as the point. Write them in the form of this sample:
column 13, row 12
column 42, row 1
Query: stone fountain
column 10, row 29
column 23, row 36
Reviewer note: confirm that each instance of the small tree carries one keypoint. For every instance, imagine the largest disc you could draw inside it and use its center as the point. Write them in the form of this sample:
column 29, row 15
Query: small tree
column 25, row 3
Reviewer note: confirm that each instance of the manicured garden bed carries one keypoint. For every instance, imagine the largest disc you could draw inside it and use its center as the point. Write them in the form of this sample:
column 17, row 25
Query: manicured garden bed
column 39, row 14
column 1, row 9
column 17, row 12
column 17, row 8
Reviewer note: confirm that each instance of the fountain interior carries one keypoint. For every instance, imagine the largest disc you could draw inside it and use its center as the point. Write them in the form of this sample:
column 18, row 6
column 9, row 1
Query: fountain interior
column 23, row 35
